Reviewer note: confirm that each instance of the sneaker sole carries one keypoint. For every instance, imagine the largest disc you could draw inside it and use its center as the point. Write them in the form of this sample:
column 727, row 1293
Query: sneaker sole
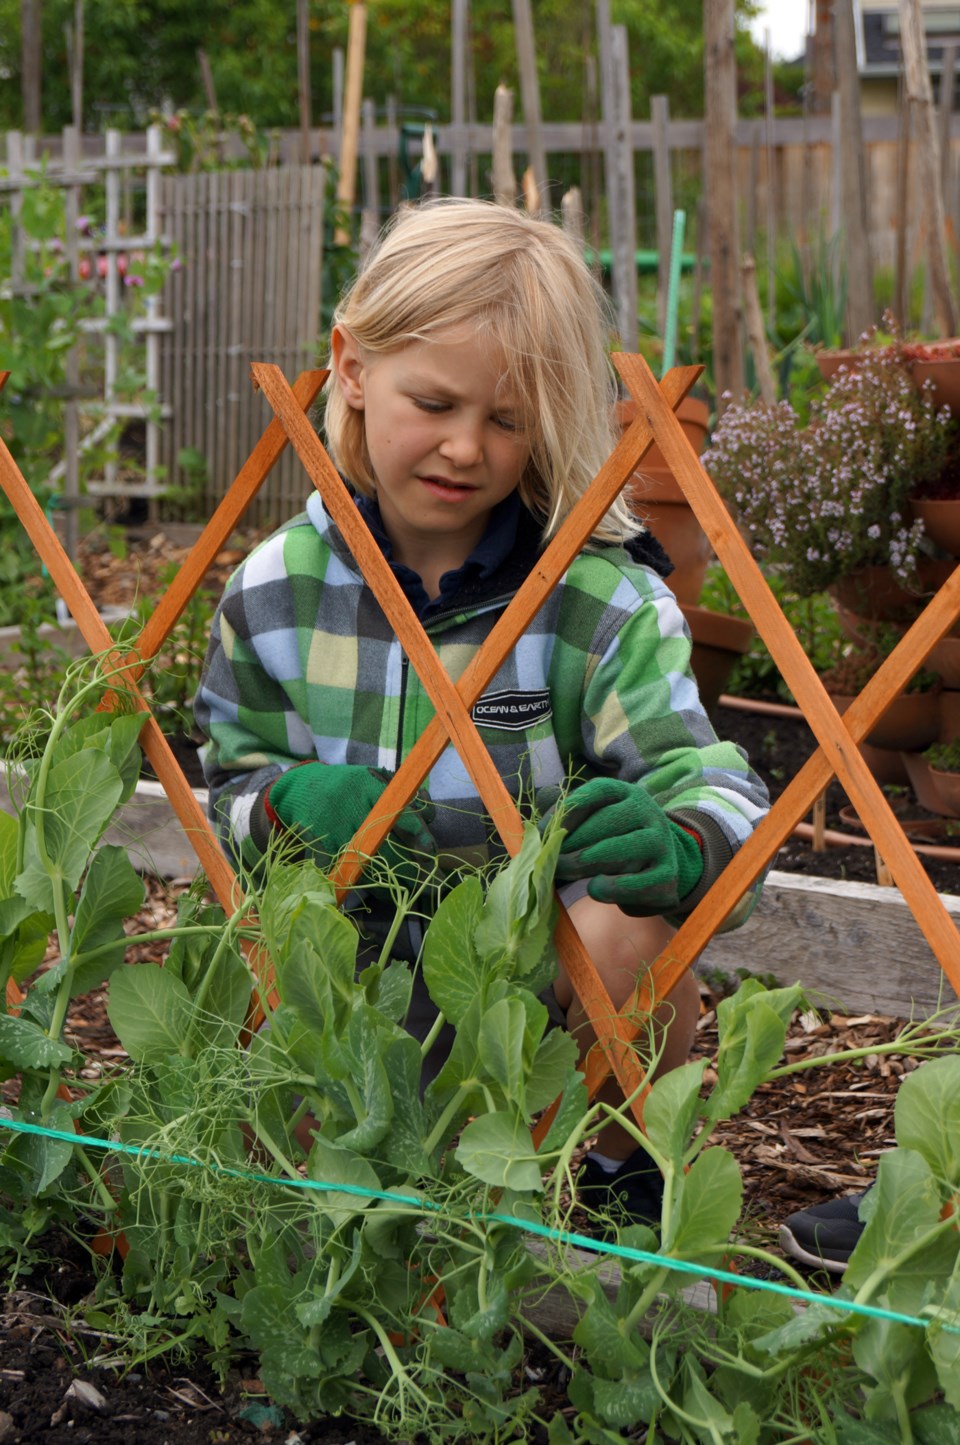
column 792, row 1246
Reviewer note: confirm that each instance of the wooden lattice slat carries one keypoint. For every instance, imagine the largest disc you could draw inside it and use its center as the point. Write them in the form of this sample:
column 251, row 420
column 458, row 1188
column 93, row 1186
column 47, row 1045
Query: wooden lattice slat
column 837, row 753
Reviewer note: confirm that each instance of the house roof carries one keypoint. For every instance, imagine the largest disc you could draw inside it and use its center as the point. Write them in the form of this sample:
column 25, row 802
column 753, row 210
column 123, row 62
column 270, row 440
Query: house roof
column 878, row 49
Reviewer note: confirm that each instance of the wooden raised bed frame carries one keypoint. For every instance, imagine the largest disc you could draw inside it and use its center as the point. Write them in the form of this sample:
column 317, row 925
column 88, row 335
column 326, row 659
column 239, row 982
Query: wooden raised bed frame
column 837, row 737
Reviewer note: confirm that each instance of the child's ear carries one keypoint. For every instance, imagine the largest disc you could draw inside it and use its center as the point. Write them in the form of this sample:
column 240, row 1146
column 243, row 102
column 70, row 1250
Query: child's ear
column 348, row 366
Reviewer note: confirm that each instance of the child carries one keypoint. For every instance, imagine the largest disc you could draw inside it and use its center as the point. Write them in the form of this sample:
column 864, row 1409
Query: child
column 470, row 405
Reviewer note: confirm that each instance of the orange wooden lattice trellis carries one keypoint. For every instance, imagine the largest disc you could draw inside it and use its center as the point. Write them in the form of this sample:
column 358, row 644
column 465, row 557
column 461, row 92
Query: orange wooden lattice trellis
column 837, row 737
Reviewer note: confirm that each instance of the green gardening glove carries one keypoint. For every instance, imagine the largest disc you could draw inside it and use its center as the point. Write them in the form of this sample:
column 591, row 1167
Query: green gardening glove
column 325, row 803
column 624, row 843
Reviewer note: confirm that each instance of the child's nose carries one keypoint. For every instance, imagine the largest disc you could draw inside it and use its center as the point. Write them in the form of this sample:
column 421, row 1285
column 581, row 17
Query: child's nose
column 463, row 444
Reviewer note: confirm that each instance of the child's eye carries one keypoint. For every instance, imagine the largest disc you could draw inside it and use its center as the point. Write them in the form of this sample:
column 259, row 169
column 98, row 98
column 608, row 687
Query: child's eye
column 506, row 423
column 423, row 403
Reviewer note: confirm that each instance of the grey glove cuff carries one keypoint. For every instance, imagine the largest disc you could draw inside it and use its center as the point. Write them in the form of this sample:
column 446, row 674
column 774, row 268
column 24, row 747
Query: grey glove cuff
column 715, row 847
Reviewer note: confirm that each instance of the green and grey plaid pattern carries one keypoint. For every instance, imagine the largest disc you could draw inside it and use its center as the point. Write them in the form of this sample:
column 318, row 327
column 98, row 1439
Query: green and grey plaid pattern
column 303, row 664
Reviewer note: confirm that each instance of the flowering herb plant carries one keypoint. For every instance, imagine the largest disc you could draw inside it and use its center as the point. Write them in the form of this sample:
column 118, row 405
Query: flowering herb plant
column 825, row 500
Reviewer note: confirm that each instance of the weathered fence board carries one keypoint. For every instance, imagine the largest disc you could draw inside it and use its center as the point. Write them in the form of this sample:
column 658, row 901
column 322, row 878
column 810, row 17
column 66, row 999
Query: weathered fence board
column 250, row 244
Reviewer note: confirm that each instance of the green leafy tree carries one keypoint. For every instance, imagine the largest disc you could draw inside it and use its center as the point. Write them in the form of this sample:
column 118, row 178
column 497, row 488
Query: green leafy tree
column 141, row 54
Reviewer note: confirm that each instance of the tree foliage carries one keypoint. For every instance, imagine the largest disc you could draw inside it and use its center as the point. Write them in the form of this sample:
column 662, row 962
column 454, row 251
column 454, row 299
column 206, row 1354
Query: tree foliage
column 141, row 55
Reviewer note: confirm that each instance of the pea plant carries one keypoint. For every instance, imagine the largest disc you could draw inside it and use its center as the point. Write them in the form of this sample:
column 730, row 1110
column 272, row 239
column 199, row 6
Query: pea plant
column 295, row 1190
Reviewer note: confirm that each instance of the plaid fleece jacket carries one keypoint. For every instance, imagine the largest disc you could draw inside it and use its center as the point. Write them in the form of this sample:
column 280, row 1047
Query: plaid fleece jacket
column 302, row 664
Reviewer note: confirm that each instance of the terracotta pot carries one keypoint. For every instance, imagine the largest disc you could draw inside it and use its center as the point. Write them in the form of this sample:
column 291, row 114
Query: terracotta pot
column 875, row 593
column 945, row 658
column 943, row 378
column 655, row 495
column 949, row 715
column 718, row 641
column 926, row 784
column 941, row 521
column 675, row 526
column 910, row 723
column 948, row 791
column 692, row 414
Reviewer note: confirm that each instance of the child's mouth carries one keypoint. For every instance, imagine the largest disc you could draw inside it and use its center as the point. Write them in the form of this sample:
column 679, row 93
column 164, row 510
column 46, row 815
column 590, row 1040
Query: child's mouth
column 449, row 491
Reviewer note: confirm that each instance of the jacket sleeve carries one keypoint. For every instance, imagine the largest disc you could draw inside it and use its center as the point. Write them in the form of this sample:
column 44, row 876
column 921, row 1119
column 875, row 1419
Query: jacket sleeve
column 643, row 721
column 255, row 732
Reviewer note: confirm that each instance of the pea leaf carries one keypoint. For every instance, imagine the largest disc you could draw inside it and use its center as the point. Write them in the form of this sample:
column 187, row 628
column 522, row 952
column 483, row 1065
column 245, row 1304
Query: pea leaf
column 81, row 794
column 671, row 1108
column 330, row 1163
column 112, row 891
column 150, row 1011
column 927, row 1115
column 453, row 971
column 904, row 1205
column 711, row 1196
column 498, row 1149
column 24, row 1045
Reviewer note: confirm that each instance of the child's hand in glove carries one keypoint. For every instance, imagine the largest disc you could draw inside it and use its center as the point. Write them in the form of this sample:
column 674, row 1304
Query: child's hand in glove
column 325, row 803
column 624, row 843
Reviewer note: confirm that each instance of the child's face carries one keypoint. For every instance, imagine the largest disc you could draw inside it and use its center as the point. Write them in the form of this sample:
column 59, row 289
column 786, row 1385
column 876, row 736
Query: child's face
column 441, row 430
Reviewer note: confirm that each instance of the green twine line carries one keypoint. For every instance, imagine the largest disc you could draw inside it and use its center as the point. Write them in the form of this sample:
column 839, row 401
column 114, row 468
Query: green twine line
column 528, row 1226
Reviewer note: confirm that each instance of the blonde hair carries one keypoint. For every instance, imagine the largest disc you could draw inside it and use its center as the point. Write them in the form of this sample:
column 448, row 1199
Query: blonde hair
column 525, row 286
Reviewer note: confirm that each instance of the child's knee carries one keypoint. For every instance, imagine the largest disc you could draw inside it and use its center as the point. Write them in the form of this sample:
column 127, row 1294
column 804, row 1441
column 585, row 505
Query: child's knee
column 620, row 947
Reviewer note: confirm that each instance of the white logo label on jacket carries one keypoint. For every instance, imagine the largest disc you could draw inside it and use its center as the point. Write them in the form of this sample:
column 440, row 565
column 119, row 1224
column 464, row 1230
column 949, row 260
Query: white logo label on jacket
column 513, row 711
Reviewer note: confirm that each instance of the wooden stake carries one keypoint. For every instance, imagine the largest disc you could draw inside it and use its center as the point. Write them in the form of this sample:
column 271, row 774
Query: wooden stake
column 756, row 333
column 350, row 134
column 720, row 113
column 303, row 77
column 920, row 93
column 820, row 824
column 854, row 205
column 662, row 200
column 884, row 876
column 530, row 96
column 504, row 180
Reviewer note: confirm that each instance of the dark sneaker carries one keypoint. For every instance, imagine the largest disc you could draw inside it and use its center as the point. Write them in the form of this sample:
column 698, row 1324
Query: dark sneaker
column 826, row 1234
column 632, row 1194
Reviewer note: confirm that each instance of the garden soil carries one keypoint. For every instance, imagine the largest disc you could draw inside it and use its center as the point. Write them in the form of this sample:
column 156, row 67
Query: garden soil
column 800, row 1141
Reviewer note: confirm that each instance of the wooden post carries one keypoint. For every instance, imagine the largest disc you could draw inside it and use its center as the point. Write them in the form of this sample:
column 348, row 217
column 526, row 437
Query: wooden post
column 303, row 77
column 901, row 291
column 75, row 58
column 948, row 74
column 920, row 95
column 370, row 217
column 504, row 180
column 31, row 58
column 720, row 94
column 623, row 224
column 861, row 306
column 663, row 201
column 571, row 211
column 530, row 95
column 756, row 333
column 458, row 95
column 771, row 221
column 206, row 77
column 71, row 414
column 347, row 181
column 822, row 68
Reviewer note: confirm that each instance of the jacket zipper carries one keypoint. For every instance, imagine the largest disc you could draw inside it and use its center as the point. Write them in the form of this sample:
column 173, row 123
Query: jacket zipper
column 404, row 674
